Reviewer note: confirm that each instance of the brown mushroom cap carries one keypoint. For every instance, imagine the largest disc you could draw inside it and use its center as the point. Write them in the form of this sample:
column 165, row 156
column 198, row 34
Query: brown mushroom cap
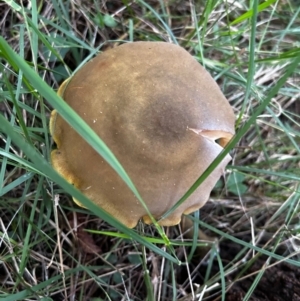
column 159, row 112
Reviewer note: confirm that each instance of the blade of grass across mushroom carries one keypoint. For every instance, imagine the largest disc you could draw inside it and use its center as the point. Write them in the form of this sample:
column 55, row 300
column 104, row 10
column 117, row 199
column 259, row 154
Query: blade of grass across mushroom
column 77, row 123
column 241, row 132
column 45, row 168
column 104, row 148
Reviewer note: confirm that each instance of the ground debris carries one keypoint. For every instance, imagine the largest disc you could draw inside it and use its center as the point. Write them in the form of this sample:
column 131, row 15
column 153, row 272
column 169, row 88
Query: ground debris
column 279, row 283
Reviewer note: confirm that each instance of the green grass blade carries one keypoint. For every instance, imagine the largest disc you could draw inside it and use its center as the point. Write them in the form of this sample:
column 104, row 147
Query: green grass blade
column 77, row 123
column 44, row 167
column 250, row 13
column 251, row 64
column 250, row 246
column 241, row 132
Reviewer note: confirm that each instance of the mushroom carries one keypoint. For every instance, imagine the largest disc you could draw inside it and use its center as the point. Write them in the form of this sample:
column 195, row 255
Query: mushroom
column 163, row 117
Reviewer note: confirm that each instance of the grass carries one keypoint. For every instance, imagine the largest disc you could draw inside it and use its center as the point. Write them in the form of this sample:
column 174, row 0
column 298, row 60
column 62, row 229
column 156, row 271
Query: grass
column 52, row 250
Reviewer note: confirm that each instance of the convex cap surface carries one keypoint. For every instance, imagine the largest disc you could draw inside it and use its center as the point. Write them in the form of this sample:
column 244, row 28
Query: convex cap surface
column 160, row 112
